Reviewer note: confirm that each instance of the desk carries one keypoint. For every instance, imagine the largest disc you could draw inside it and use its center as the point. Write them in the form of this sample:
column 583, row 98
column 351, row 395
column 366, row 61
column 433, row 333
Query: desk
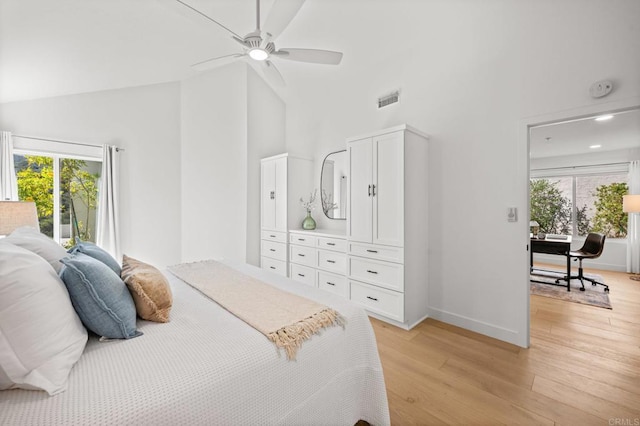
column 553, row 246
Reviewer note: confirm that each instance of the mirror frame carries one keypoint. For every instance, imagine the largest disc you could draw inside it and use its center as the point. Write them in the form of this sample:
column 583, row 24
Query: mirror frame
column 321, row 175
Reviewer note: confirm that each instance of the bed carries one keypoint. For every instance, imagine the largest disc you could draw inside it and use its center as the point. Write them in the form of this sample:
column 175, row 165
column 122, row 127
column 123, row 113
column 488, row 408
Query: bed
column 206, row 366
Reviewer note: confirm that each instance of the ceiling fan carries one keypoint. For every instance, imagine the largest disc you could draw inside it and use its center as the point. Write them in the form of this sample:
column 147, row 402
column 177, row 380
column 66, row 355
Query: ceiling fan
column 258, row 45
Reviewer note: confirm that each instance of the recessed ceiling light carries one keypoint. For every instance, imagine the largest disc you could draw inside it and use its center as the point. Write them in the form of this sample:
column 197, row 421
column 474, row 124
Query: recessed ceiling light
column 604, row 117
column 595, row 146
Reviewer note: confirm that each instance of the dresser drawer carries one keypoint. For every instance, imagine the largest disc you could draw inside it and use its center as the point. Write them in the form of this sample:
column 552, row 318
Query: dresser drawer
column 332, row 261
column 375, row 299
column 334, row 244
column 390, row 254
column 274, row 250
column 302, row 255
column 280, row 237
column 302, row 239
column 384, row 274
column 302, row 274
column 333, row 283
column 273, row 265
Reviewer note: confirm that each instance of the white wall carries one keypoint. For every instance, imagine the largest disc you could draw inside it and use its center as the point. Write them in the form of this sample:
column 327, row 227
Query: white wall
column 230, row 120
column 214, row 164
column 470, row 74
column 145, row 122
column 265, row 137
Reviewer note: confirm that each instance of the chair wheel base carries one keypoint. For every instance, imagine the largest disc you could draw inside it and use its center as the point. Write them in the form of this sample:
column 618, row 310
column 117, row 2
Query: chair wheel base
column 581, row 288
column 606, row 290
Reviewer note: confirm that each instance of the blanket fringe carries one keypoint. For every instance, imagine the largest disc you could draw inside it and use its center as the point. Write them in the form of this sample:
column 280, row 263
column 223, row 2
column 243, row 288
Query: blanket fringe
column 291, row 337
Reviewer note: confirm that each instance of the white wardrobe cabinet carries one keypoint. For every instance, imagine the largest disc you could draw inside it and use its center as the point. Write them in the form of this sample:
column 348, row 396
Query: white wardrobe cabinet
column 283, row 180
column 387, row 224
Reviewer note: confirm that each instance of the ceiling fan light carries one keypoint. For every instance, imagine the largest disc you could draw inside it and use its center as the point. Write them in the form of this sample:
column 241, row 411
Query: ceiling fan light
column 258, row 54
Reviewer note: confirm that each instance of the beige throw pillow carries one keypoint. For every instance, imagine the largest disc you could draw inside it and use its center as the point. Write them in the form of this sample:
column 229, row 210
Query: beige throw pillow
column 149, row 288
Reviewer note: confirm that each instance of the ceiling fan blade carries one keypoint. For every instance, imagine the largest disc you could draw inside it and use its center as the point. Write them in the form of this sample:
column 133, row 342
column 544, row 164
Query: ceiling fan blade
column 217, row 62
column 280, row 15
column 310, row 55
column 271, row 73
column 194, row 10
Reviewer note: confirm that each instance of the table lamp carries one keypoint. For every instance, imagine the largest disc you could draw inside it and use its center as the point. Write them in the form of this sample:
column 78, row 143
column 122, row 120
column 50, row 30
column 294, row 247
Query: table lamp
column 14, row 214
column 631, row 204
column 535, row 227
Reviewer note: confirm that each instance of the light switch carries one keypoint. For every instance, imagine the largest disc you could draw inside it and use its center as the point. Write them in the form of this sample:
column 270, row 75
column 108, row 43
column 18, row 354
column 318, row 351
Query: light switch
column 512, row 214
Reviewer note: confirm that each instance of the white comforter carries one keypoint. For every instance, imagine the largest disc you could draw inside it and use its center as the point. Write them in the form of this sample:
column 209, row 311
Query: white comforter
column 208, row 367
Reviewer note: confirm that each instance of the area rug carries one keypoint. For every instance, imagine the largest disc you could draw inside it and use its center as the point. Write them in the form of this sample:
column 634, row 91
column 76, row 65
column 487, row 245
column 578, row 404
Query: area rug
column 593, row 295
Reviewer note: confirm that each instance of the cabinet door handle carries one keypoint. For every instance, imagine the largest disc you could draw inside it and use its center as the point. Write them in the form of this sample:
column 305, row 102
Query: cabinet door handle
column 372, row 298
column 300, row 254
column 301, row 275
column 272, row 249
column 372, row 272
column 331, row 261
column 272, row 267
column 272, row 236
column 300, row 239
column 330, row 283
column 373, row 192
column 331, row 244
column 369, row 192
column 372, row 251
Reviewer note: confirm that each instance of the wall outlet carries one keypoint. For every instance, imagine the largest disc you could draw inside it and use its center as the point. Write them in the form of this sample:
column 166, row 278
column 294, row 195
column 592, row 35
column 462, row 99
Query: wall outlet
column 512, row 214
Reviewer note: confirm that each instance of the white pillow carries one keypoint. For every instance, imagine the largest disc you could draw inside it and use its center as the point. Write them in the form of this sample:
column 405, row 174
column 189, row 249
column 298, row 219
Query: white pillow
column 41, row 337
column 33, row 240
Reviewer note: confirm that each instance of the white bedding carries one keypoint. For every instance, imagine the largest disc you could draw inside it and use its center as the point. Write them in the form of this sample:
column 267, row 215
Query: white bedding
column 208, row 367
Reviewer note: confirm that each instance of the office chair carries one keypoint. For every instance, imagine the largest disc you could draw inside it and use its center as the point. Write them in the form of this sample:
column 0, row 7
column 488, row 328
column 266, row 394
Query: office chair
column 591, row 249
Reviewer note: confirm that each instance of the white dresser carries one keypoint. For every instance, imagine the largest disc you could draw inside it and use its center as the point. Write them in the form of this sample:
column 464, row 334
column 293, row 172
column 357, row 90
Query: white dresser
column 387, row 224
column 283, row 180
column 318, row 258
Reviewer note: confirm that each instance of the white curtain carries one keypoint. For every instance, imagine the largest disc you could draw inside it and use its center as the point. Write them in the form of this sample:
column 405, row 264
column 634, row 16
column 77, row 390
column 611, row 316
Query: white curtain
column 108, row 227
column 8, row 180
column 633, row 226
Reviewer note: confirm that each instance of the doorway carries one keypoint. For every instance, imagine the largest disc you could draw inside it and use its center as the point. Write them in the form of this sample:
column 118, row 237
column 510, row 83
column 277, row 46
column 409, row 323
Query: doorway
column 578, row 154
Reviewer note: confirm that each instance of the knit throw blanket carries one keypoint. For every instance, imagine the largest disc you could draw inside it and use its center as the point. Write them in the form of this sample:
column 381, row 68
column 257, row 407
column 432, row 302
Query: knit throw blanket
column 286, row 319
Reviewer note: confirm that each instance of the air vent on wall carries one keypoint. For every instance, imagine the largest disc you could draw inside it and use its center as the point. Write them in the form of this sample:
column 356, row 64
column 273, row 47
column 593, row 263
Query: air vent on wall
column 389, row 99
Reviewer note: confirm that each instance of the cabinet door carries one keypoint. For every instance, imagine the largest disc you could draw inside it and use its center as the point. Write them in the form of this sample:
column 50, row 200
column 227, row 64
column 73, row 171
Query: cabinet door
column 388, row 197
column 359, row 217
column 281, row 194
column 268, row 188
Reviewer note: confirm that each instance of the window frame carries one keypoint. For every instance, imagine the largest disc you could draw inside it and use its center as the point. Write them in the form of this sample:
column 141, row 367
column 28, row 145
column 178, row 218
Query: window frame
column 56, row 156
column 574, row 173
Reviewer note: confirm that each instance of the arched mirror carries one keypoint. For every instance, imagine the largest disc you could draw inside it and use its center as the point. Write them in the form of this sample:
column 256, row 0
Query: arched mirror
column 333, row 185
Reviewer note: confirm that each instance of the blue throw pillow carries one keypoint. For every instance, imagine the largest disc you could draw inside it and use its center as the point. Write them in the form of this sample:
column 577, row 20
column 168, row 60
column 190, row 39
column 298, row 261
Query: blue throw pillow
column 100, row 297
column 96, row 252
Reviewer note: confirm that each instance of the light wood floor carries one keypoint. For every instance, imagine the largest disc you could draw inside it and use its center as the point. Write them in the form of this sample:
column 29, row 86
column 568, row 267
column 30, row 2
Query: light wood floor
column 583, row 367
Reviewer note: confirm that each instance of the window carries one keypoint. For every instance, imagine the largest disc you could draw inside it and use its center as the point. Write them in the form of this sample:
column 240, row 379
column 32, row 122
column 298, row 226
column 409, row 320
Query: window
column 580, row 204
column 65, row 190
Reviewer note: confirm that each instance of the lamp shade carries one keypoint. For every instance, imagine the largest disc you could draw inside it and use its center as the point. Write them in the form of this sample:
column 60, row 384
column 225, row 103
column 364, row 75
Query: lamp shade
column 14, row 214
column 631, row 203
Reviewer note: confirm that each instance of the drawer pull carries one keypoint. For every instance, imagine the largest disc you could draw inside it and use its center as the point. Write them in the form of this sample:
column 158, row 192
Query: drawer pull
column 272, row 267
column 300, row 239
column 372, row 251
column 272, row 236
column 372, row 298
column 372, row 272
column 272, row 249
column 330, row 283
column 331, row 244
column 300, row 254
column 301, row 275
column 331, row 261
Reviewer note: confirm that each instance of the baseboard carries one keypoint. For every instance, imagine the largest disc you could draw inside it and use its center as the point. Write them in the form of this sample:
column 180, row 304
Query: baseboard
column 491, row 330
column 396, row 323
